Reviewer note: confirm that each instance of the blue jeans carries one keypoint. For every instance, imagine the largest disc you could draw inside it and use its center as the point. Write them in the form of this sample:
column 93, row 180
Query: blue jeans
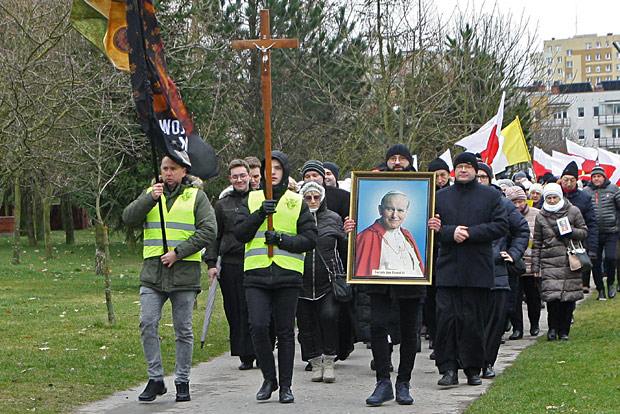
column 151, row 302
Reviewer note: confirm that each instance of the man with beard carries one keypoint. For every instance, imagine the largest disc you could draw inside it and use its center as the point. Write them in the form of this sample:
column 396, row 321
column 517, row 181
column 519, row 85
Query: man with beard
column 231, row 252
column 469, row 217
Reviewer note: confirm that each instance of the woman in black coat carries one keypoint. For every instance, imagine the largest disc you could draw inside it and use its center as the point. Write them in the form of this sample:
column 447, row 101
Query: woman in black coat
column 317, row 309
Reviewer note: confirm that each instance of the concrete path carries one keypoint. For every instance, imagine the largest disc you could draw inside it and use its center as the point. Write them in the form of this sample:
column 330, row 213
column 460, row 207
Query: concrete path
column 218, row 386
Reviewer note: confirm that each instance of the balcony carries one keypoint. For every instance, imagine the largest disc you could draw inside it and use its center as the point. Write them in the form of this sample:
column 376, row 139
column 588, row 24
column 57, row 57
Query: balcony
column 609, row 119
column 555, row 123
column 609, row 143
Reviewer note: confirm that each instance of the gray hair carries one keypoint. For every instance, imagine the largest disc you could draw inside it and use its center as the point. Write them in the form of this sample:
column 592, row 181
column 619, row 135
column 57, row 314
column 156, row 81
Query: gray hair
column 394, row 193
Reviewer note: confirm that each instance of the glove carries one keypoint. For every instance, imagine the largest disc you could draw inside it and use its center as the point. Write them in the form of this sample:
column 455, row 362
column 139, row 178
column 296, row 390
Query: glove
column 268, row 207
column 273, row 237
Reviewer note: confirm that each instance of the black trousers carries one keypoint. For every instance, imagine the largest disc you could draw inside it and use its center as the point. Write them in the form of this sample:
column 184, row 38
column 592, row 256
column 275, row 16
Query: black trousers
column 430, row 311
column 321, row 315
column 494, row 324
column 381, row 318
column 559, row 315
column 282, row 304
column 461, row 313
column 606, row 243
column 236, row 310
column 513, row 303
column 528, row 286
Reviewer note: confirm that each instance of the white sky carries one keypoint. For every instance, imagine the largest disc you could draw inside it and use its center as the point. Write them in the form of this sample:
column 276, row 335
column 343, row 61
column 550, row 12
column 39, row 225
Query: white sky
column 554, row 18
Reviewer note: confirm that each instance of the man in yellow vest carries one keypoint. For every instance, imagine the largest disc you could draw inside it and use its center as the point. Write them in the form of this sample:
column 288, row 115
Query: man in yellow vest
column 272, row 284
column 190, row 226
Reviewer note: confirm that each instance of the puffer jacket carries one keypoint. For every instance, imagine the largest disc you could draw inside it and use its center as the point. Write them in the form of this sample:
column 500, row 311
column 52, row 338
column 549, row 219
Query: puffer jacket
column 530, row 214
column 549, row 258
column 332, row 244
column 606, row 201
column 183, row 275
column 583, row 201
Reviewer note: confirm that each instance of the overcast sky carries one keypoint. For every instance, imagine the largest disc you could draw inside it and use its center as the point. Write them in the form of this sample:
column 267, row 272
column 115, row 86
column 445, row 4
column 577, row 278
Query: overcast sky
column 554, row 18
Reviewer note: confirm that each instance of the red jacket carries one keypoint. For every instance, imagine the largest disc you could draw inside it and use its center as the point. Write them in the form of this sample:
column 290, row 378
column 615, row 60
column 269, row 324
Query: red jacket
column 368, row 249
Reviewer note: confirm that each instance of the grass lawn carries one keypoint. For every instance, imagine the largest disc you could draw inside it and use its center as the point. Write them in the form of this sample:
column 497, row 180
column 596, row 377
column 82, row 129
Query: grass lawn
column 57, row 350
column 578, row 376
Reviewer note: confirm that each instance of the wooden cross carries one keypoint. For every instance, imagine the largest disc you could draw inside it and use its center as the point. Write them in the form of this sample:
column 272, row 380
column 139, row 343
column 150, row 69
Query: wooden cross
column 265, row 44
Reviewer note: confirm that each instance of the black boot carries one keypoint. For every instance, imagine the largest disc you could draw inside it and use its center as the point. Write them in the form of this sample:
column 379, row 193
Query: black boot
column 286, row 395
column 489, row 372
column 551, row 334
column 516, row 335
column 611, row 292
column 266, row 389
column 182, row 391
column 152, row 390
column 402, row 393
column 534, row 330
column 382, row 393
column 449, row 378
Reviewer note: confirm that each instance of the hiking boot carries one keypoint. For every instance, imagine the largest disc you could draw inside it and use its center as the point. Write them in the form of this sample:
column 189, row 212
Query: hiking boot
column 382, row 393
column 317, row 369
column 474, row 379
column 182, row 391
column 402, row 393
column 328, row 369
column 152, row 390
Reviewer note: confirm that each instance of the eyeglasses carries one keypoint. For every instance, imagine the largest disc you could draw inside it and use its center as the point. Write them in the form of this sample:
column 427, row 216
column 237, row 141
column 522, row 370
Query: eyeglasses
column 482, row 177
column 399, row 158
column 238, row 177
column 312, row 198
column 442, row 174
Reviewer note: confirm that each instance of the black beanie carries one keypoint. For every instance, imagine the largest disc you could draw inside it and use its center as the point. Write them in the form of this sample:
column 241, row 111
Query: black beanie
column 333, row 168
column 487, row 169
column 399, row 149
column 466, row 158
column 438, row 164
column 571, row 169
column 313, row 165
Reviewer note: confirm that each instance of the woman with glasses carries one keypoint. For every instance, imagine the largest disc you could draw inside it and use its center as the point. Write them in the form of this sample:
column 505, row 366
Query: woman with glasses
column 317, row 309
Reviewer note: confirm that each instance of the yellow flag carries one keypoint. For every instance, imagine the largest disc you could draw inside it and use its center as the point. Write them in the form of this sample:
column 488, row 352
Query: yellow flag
column 515, row 148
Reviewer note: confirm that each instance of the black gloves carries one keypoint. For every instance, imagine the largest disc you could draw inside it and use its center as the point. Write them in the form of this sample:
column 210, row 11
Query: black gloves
column 273, row 237
column 268, row 207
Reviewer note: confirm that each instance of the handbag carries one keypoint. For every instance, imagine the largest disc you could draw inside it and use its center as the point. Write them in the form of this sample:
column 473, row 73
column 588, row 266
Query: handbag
column 343, row 292
column 578, row 258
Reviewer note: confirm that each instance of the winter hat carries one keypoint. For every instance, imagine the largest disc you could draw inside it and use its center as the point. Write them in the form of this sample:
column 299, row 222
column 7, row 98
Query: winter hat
column 506, row 181
column 313, row 165
column 515, row 193
column 486, row 168
column 312, row 186
column 438, row 164
column 518, row 175
column 548, row 178
column 553, row 189
column 536, row 188
column 571, row 169
column 598, row 170
column 333, row 168
column 399, row 149
column 466, row 158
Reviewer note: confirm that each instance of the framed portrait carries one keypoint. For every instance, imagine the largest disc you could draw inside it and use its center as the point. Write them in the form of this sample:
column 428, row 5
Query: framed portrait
column 392, row 243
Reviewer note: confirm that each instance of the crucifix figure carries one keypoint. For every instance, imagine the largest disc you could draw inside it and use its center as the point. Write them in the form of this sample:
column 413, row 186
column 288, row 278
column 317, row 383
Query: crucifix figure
column 265, row 44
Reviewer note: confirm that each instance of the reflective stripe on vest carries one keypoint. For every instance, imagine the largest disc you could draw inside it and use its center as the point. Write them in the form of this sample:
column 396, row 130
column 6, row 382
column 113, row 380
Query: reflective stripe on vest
column 284, row 221
column 179, row 221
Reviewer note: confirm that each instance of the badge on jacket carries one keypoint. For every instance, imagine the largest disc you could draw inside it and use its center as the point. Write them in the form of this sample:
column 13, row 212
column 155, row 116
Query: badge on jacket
column 291, row 203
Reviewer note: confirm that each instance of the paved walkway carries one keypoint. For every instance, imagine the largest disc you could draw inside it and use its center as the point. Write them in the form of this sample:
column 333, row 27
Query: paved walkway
column 218, row 386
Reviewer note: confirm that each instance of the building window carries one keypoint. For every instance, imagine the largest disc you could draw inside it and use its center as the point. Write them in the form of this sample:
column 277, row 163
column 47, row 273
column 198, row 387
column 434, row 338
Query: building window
column 607, row 56
column 615, row 132
column 549, row 60
column 598, row 80
column 560, row 115
column 607, row 68
column 598, row 68
column 549, row 49
column 581, row 133
column 597, row 56
column 588, row 46
column 588, row 69
column 595, row 110
column 588, row 58
column 617, row 55
column 559, row 71
column 549, row 71
column 569, row 76
column 558, row 48
column 580, row 112
column 598, row 45
column 569, row 52
column 569, row 63
column 559, row 59
column 608, row 78
column 597, row 133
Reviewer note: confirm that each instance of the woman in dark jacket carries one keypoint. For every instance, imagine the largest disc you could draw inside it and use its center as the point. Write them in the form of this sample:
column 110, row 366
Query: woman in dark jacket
column 561, row 287
column 317, row 309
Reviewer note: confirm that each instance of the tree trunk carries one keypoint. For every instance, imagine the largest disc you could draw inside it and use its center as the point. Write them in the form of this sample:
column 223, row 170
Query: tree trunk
column 102, row 264
column 47, row 225
column 17, row 215
column 130, row 239
column 67, row 218
column 38, row 215
column 28, row 207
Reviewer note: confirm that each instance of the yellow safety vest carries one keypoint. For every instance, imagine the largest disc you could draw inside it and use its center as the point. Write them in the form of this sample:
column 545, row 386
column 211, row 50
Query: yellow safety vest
column 284, row 221
column 179, row 221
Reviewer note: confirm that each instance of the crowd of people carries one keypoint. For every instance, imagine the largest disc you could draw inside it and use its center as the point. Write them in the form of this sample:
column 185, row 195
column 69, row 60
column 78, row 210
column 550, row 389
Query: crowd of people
column 497, row 242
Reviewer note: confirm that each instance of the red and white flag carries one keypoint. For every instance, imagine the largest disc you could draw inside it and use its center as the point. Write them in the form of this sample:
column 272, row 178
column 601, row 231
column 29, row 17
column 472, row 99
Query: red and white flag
column 610, row 163
column 542, row 162
column 564, row 159
column 589, row 155
column 488, row 141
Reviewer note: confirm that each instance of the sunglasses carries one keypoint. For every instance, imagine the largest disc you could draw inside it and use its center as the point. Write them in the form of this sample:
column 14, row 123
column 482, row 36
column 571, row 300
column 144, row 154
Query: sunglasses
column 312, row 198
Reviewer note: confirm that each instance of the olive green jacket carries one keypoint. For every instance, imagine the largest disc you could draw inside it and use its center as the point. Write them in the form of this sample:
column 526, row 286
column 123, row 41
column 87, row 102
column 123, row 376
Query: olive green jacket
column 183, row 275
